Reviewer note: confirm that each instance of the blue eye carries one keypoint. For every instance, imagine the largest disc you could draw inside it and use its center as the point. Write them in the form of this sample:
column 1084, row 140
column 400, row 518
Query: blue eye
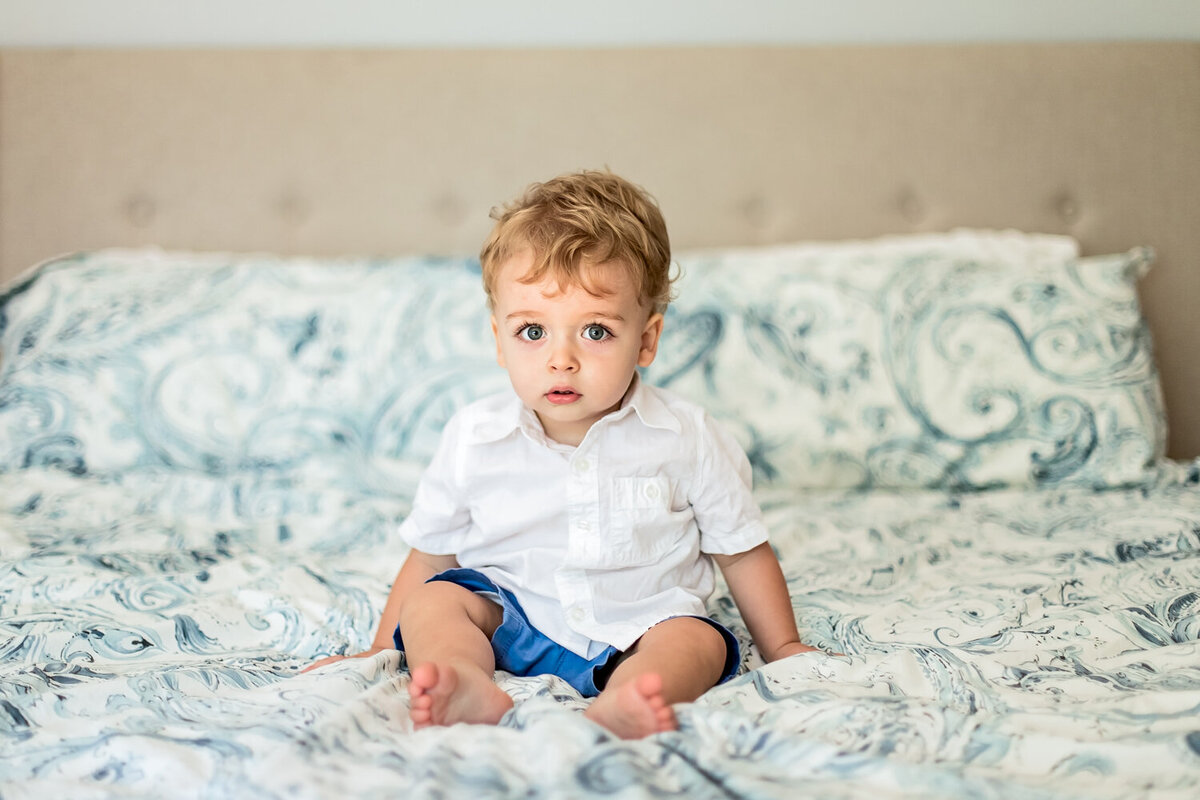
column 532, row 333
column 596, row 333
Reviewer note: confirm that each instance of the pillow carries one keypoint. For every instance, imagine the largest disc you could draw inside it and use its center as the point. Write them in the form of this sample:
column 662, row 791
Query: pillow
column 966, row 361
column 963, row 360
column 218, row 363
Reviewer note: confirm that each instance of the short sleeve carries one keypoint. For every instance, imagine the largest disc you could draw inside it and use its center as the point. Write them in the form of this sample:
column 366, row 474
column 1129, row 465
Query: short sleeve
column 440, row 518
column 729, row 519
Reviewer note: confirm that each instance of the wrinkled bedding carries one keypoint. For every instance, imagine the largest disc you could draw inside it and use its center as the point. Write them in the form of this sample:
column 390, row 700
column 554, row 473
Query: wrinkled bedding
column 957, row 442
column 1008, row 643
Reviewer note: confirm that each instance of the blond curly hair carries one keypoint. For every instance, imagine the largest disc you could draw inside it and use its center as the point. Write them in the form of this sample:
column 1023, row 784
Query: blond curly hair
column 578, row 220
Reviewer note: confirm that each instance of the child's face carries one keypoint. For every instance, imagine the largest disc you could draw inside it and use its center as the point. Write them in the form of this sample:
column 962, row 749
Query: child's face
column 571, row 355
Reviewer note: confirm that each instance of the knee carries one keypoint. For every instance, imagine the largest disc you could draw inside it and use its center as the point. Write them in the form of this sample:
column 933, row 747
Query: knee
column 712, row 645
column 442, row 601
column 705, row 644
column 432, row 599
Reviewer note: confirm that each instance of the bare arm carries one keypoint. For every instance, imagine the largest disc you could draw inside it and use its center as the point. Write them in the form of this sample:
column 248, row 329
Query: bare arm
column 761, row 594
column 417, row 568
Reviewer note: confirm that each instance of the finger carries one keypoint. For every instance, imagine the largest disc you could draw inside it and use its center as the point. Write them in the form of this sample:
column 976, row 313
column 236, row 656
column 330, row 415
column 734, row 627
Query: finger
column 321, row 663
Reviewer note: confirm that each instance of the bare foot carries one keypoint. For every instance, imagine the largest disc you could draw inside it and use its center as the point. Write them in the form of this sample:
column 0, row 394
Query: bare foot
column 634, row 709
column 443, row 694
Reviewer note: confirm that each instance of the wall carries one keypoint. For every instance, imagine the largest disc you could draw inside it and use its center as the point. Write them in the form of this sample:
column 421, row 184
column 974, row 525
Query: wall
column 519, row 23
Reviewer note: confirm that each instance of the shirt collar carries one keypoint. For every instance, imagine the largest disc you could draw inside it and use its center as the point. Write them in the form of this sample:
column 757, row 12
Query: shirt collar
column 649, row 407
column 502, row 419
column 512, row 415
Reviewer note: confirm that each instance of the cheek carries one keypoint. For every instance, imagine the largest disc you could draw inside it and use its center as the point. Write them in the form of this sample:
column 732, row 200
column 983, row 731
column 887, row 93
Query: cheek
column 615, row 364
column 517, row 358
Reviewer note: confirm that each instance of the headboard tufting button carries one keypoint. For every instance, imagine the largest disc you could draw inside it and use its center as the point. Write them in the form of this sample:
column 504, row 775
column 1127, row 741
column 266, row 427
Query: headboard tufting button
column 753, row 210
column 449, row 209
column 1067, row 208
column 292, row 207
column 140, row 210
column 910, row 206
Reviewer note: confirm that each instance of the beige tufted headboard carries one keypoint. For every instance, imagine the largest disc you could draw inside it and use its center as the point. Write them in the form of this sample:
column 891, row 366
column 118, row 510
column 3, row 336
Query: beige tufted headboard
column 339, row 152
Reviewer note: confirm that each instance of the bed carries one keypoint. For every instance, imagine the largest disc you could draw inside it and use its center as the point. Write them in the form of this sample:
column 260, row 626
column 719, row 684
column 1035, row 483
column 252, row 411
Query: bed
column 942, row 295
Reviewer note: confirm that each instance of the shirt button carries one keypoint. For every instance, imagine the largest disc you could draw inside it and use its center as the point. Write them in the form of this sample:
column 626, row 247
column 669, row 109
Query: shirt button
column 583, row 466
column 582, row 526
column 576, row 614
column 651, row 491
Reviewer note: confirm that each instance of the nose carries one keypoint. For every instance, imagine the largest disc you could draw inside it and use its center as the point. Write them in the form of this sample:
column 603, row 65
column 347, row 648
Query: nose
column 562, row 358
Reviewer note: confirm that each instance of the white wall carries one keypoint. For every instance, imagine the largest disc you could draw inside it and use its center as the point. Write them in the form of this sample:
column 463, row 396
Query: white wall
column 516, row 23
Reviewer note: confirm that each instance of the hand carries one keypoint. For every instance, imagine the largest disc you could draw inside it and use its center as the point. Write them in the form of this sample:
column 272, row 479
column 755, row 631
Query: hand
column 330, row 659
column 788, row 649
column 792, row 649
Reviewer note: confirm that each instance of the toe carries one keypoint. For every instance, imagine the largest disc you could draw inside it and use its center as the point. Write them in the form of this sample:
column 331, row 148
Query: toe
column 649, row 684
column 424, row 677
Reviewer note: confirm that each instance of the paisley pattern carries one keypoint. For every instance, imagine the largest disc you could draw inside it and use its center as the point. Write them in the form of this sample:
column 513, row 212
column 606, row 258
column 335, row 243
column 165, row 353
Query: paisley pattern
column 217, row 364
column 204, row 460
column 965, row 361
column 968, row 360
column 1033, row 643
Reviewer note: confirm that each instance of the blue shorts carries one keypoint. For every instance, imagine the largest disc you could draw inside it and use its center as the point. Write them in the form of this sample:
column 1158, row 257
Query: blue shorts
column 523, row 650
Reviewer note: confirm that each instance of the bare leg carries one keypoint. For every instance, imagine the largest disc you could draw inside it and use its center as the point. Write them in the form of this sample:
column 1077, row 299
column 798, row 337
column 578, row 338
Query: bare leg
column 447, row 641
column 676, row 661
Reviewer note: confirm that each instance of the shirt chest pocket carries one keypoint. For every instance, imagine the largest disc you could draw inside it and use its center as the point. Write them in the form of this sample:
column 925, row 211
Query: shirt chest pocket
column 643, row 524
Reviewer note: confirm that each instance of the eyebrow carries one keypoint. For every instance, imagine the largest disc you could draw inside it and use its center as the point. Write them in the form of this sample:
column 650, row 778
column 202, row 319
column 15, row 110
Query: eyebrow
column 599, row 315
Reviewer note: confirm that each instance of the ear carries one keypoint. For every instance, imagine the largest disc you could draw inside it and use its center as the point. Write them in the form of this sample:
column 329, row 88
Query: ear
column 496, row 336
column 650, row 336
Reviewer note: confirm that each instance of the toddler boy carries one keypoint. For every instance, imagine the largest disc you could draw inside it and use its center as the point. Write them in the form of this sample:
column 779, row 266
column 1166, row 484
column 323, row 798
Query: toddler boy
column 570, row 526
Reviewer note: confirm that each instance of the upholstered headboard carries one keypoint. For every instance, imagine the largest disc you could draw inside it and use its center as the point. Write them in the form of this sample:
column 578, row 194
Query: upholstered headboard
column 352, row 152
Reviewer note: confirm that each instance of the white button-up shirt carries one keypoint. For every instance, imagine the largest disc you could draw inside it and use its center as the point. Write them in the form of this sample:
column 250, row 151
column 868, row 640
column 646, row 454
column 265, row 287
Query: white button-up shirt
column 598, row 542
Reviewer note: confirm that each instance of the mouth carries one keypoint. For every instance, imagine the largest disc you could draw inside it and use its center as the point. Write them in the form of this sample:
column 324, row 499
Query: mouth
column 562, row 395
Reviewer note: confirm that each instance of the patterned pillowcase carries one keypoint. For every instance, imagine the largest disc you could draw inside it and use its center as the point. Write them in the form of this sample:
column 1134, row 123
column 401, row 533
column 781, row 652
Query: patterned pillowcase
column 216, row 363
column 960, row 360
column 968, row 360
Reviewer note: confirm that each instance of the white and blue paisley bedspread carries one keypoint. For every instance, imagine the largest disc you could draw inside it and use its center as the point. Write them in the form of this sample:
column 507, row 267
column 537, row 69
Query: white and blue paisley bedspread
column 166, row 572
column 1006, row 644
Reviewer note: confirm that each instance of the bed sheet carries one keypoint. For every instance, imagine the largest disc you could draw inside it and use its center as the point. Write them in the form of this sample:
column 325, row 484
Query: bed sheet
column 1008, row 643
